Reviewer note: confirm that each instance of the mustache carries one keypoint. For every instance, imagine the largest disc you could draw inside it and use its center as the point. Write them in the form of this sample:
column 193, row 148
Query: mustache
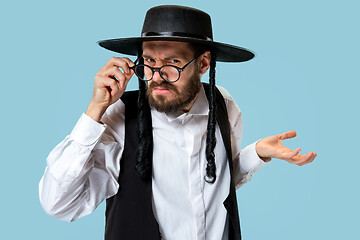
column 163, row 84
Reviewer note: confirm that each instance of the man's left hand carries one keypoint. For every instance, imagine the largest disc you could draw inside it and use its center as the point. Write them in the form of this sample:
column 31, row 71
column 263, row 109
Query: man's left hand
column 272, row 147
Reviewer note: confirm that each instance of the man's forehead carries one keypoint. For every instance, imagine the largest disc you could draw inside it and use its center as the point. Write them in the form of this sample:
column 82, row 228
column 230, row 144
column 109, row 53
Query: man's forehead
column 181, row 49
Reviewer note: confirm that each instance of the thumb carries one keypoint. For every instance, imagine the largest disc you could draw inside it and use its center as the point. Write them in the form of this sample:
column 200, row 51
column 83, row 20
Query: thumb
column 286, row 135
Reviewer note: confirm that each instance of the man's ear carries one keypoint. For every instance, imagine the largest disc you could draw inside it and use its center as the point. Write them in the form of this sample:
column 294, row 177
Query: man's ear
column 204, row 63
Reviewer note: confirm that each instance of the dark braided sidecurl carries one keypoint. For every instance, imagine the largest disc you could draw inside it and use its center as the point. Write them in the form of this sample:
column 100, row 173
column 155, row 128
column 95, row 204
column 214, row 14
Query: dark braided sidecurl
column 211, row 127
column 144, row 152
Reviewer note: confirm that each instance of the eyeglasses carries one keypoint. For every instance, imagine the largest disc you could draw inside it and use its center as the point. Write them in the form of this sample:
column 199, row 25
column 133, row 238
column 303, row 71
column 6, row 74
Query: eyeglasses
column 169, row 73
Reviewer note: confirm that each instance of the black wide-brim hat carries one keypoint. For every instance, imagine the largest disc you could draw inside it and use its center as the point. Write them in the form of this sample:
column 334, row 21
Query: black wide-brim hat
column 182, row 24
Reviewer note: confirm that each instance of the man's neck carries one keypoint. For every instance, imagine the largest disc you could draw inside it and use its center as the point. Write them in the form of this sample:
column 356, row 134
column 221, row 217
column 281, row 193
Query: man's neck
column 189, row 106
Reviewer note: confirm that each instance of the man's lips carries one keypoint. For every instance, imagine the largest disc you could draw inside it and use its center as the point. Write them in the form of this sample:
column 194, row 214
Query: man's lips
column 161, row 90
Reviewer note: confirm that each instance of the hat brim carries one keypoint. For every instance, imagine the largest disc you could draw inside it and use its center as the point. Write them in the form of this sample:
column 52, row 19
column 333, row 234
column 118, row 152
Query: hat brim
column 224, row 52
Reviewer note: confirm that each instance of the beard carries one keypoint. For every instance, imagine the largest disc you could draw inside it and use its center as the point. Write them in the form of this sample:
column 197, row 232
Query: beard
column 183, row 97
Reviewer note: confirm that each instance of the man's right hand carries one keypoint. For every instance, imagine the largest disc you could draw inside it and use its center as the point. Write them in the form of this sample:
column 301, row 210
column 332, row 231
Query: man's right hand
column 110, row 84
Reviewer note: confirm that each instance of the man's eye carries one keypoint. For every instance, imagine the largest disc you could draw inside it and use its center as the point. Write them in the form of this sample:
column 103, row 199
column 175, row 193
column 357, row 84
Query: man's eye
column 174, row 61
column 149, row 60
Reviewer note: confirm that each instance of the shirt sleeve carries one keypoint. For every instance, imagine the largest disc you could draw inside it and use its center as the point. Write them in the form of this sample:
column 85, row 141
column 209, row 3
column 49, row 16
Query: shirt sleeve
column 245, row 161
column 81, row 171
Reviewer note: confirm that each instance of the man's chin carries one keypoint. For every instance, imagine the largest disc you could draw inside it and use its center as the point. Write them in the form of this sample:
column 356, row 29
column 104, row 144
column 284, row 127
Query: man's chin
column 162, row 104
column 160, row 98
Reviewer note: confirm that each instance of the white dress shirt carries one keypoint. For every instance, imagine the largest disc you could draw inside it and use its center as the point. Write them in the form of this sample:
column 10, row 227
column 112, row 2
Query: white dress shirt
column 83, row 169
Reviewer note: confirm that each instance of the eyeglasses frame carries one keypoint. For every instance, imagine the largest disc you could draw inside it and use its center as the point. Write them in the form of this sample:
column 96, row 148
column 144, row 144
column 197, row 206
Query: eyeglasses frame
column 153, row 69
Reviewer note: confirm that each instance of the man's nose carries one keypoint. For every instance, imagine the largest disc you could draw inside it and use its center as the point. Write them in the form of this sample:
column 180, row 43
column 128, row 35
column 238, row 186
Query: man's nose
column 156, row 76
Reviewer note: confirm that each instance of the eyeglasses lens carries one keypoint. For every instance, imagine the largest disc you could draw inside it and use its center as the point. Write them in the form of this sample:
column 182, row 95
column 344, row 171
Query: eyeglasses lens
column 168, row 73
column 139, row 71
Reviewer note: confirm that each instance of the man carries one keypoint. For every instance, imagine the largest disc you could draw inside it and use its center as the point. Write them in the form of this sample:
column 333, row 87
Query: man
column 167, row 157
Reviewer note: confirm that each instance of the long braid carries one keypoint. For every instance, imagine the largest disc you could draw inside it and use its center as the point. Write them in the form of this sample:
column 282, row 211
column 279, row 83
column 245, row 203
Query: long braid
column 211, row 127
column 144, row 151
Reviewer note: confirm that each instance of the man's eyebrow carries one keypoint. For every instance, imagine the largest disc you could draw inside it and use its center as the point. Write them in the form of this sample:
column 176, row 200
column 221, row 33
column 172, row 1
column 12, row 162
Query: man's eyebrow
column 172, row 57
column 165, row 58
column 146, row 56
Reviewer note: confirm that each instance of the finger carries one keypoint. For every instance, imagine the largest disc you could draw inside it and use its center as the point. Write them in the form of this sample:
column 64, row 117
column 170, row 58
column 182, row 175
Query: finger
column 286, row 135
column 114, row 61
column 123, row 78
column 123, row 63
column 289, row 155
column 115, row 73
column 129, row 62
column 308, row 159
column 303, row 159
column 105, row 82
column 126, row 83
column 129, row 75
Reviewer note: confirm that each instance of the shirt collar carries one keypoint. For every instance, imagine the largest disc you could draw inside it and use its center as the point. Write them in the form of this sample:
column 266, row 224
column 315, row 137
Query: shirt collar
column 201, row 104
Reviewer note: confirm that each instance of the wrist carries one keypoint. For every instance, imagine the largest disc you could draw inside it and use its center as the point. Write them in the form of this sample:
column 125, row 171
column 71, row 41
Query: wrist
column 95, row 111
column 258, row 149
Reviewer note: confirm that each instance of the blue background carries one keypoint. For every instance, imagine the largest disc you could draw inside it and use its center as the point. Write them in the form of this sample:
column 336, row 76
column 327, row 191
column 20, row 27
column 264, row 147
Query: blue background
column 305, row 78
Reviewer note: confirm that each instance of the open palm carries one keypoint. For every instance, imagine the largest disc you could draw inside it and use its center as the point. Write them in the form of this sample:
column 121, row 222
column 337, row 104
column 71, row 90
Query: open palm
column 272, row 147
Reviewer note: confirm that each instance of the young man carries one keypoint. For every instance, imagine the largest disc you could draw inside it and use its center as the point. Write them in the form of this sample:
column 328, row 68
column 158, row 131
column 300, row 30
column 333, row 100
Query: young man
column 166, row 158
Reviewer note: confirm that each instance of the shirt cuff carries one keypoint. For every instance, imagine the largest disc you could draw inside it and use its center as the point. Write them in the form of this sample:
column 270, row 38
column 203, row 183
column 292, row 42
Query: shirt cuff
column 87, row 131
column 250, row 160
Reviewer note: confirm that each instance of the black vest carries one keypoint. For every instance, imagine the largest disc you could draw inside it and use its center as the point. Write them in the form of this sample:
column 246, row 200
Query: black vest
column 129, row 213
